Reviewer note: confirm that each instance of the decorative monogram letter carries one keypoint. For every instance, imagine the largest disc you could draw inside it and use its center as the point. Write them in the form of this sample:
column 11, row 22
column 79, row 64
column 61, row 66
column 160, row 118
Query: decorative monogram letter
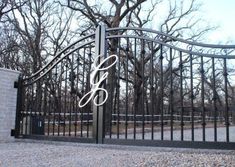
column 96, row 85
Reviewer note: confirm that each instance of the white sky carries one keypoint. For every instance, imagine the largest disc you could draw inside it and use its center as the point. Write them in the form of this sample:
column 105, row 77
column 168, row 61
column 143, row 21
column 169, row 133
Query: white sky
column 217, row 13
column 221, row 13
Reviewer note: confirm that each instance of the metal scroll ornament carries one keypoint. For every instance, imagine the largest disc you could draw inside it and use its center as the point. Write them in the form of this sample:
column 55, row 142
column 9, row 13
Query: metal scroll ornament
column 96, row 84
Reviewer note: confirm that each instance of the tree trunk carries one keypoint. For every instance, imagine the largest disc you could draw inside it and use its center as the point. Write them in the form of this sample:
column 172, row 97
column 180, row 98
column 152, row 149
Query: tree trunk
column 110, row 87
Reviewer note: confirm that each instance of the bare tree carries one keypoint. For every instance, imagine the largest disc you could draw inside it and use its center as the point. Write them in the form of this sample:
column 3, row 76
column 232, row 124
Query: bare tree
column 32, row 35
column 179, row 22
column 7, row 6
column 38, row 30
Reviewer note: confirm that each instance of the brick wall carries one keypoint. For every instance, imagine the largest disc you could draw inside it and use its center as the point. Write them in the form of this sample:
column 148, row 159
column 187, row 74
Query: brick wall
column 8, row 95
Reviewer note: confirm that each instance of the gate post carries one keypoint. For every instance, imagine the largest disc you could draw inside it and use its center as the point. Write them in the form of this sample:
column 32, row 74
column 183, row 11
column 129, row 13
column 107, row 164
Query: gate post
column 8, row 99
column 18, row 106
column 99, row 111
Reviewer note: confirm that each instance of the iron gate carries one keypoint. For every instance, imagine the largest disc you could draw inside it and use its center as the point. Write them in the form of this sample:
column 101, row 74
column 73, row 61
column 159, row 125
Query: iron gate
column 162, row 91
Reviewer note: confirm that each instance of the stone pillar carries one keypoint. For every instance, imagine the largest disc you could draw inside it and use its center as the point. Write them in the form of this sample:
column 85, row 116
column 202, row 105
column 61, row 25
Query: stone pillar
column 8, row 96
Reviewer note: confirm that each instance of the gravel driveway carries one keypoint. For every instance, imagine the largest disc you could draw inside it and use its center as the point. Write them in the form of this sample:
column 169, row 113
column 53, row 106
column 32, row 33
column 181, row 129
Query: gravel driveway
column 30, row 153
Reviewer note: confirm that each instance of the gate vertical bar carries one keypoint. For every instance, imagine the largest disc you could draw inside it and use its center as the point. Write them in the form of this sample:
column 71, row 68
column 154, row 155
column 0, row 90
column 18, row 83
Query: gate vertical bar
column 118, row 89
column 99, row 111
column 135, row 79
column 192, row 96
column 151, row 92
column 126, row 103
column 214, row 99
column 162, row 92
column 226, row 99
column 181, row 99
column 171, row 95
column 203, row 99
column 143, row 82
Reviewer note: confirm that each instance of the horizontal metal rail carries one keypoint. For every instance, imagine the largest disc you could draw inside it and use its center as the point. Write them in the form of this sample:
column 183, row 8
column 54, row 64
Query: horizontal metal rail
column 172, row 37
column 173, row 47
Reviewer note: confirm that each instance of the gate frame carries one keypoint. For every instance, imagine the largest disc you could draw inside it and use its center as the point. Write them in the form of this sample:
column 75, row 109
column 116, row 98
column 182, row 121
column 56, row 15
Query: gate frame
column 99, row 111
column 19, row 87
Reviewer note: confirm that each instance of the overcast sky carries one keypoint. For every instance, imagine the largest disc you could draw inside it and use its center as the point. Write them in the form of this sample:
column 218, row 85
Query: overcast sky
column 221, row 13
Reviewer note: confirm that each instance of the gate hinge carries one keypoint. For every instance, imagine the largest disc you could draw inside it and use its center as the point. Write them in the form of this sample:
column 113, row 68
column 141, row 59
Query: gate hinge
column 16, row 84
column 12, row 132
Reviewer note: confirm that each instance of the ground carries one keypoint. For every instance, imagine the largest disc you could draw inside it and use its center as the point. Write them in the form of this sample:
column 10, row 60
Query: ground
column 34, row 153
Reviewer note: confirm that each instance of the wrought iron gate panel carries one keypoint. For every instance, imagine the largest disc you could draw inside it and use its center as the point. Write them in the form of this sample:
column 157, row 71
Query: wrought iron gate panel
column 163, row 91
column 170, row 91
column 50, row 97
